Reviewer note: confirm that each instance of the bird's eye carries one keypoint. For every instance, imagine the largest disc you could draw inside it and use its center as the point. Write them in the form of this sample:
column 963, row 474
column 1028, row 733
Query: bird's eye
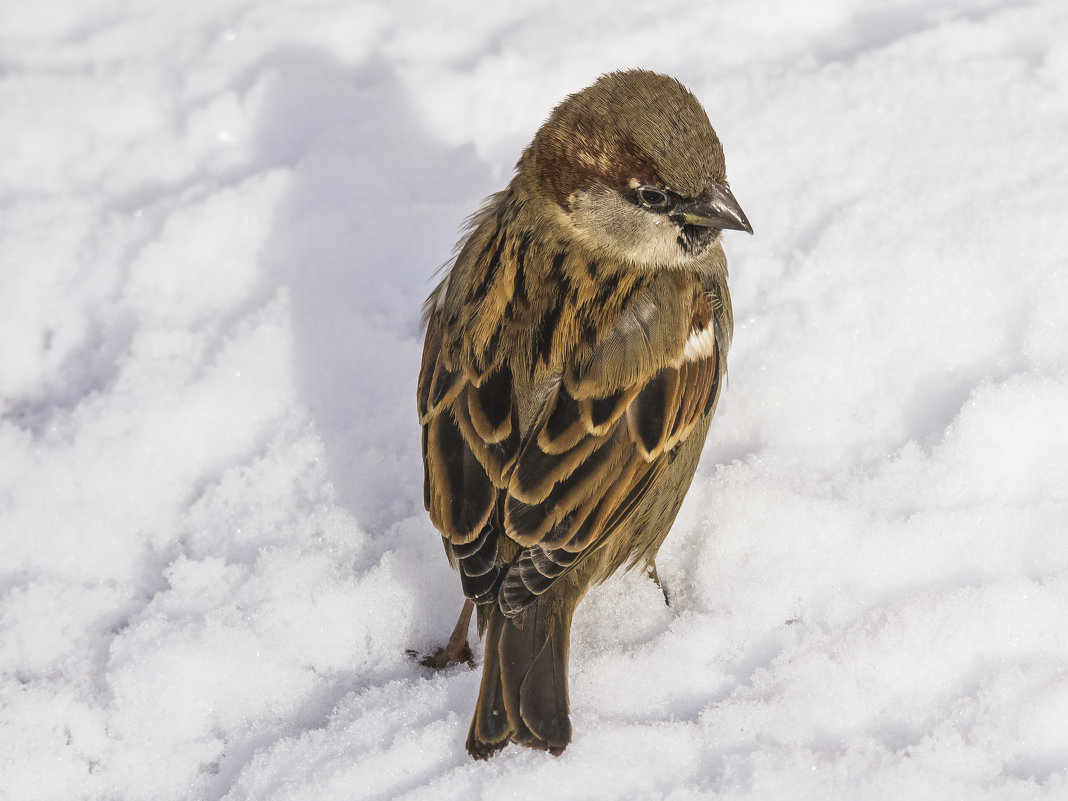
column 652, row 198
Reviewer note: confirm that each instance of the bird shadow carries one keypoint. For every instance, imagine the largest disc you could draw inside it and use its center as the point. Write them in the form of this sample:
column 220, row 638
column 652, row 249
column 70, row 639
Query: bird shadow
column 372, row 210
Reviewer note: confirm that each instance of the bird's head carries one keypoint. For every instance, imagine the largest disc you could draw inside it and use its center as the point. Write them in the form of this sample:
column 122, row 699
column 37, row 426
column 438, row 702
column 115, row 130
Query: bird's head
column 632, row 166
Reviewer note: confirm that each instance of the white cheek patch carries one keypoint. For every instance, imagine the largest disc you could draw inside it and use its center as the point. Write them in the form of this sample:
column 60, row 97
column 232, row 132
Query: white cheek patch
column 614, row 226
column 699, row 345
column 654, row 245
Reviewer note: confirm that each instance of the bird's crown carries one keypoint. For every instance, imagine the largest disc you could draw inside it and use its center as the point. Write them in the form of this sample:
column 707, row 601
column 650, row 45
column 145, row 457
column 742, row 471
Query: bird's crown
column 629, row 126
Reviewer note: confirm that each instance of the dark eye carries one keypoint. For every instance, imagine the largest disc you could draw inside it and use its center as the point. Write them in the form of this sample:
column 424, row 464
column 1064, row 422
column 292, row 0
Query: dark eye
column 652, row 198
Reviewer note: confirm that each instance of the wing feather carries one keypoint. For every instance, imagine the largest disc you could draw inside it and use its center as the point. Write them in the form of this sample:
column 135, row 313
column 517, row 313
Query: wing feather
column 606, row 432
column 594, row 454
column 470, row 444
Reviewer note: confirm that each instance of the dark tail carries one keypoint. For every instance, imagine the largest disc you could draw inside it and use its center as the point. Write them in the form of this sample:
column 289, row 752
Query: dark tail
column 523, row 698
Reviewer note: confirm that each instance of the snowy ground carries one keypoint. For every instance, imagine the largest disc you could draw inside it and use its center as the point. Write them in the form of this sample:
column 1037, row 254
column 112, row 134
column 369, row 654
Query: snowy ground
column 217, row 222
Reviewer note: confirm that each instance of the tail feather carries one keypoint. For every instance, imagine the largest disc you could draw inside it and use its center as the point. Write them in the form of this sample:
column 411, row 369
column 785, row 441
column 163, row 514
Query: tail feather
column 523, row 697
column 543, row 696
column 491, row 728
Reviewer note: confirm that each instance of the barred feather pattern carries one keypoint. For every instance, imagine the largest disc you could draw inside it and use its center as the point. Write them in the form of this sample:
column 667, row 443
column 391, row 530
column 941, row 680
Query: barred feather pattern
column 554, row 391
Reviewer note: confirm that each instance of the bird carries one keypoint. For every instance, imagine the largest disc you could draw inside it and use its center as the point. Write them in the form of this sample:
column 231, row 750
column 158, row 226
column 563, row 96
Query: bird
column 574, row 355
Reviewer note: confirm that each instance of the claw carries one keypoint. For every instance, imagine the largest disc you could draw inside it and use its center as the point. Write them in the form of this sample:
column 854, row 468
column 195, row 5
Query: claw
column 456, row 650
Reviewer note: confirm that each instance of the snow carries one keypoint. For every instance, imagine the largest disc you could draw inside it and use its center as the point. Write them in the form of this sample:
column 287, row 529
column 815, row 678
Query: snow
column 218, row 221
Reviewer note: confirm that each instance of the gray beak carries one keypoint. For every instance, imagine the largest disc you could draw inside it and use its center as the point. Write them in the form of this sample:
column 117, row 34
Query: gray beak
column 721, row 210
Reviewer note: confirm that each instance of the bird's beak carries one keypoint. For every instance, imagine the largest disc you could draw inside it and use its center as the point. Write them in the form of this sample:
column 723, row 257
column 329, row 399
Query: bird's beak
column 721, row 210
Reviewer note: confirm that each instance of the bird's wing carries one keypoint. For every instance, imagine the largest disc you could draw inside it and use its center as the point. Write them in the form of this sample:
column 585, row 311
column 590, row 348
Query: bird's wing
column 605, row 435
column 470, row 445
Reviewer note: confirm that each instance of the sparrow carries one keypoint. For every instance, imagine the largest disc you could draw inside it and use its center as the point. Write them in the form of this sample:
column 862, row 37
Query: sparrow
column 574, row 355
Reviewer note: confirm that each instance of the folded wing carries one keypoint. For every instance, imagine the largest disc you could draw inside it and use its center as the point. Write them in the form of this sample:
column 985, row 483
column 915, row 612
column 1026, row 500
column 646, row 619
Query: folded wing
column 605, row 434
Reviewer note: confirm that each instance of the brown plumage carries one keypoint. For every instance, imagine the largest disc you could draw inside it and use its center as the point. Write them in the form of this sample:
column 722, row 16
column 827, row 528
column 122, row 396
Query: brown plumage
column 574, row 356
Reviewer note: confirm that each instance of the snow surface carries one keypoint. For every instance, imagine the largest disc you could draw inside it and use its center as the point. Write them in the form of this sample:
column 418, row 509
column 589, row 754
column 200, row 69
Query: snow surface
column 218, row 220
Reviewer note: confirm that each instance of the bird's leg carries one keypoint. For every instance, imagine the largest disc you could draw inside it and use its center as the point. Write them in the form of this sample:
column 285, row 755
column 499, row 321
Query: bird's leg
column 456, row 650
column 650, row 571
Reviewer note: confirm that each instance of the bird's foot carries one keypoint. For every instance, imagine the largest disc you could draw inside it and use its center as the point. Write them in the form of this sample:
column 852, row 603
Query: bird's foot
column 651, row 573
column 456, row 650
column 446, row 655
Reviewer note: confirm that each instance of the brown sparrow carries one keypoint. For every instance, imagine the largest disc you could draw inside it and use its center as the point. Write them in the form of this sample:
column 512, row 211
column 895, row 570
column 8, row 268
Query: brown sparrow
column 574, row 355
